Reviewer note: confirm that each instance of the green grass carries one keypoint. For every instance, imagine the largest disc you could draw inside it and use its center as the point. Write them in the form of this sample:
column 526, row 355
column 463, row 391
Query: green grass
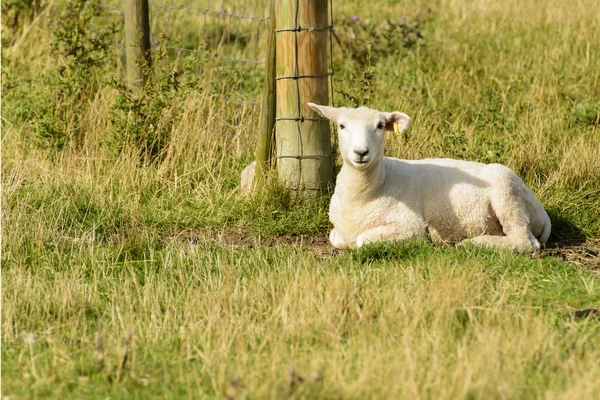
column 209, row 313
column 223, row 294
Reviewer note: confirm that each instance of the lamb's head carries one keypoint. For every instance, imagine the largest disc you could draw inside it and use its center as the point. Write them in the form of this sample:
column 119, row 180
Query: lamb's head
column 361, row 131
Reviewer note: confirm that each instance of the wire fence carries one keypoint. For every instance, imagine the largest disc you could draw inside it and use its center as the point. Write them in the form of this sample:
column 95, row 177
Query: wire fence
column 231, row 37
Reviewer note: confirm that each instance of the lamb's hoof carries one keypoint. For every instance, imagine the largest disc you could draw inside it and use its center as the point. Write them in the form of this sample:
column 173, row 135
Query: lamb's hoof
column 336, row 241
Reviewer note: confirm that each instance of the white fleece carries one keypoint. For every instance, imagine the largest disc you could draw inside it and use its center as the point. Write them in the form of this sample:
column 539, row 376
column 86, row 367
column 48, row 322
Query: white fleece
column 379, row 198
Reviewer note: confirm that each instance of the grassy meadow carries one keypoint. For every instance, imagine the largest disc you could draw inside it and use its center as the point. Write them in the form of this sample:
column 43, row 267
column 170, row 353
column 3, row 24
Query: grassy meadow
column 133, row 266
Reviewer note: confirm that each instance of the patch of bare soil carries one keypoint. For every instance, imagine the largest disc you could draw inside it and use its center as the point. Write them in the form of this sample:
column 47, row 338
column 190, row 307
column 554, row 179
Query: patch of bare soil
column 244, row 239
column 585, row 253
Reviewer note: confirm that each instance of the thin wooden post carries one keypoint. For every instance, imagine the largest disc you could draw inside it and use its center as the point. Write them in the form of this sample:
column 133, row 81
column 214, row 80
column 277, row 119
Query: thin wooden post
column 137, row 40
column 303, row 142
column 264, row 148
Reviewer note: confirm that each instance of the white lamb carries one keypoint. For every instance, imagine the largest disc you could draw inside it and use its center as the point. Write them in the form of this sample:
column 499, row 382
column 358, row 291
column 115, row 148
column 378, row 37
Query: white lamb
column 379, row 198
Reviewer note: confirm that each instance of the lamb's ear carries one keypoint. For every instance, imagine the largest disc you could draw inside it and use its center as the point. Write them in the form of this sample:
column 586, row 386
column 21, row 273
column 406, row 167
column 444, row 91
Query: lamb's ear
column 331, row 113
column 391, row 118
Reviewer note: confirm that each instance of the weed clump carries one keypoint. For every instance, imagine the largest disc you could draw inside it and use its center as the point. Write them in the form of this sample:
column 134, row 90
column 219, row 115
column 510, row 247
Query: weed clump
column 587, row 113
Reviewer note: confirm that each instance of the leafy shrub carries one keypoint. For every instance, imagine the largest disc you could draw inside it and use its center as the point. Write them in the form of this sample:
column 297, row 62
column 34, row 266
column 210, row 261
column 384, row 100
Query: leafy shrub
column 54, row 106
column 366, row 40
column 80, row 53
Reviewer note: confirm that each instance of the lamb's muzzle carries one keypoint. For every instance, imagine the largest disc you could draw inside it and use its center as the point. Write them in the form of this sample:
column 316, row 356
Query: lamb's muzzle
column 386, row 199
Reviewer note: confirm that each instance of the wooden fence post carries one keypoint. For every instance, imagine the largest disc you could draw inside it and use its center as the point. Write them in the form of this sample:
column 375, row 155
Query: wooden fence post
column 137, row 42
column 264, row 148
column 303, row 142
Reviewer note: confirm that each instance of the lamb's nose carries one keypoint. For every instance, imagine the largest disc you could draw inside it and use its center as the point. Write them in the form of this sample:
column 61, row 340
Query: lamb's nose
column 361, row 152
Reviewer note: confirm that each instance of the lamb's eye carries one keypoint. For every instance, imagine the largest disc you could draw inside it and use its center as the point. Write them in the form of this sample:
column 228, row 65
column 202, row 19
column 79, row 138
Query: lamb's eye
column 380, row 125
column 342, row 126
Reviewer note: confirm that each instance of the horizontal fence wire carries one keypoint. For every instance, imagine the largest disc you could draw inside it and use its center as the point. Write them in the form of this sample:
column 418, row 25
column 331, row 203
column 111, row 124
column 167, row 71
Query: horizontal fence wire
column 300, row 29
column 327, row 75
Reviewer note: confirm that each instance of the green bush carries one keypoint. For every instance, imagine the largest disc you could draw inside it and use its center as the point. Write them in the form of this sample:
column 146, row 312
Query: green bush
column 54, row 105
column 371, row 39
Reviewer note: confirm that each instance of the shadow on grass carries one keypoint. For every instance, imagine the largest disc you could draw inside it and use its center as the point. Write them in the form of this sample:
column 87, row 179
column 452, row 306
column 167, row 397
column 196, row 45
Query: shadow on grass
column 570, row 243
column 564, row 232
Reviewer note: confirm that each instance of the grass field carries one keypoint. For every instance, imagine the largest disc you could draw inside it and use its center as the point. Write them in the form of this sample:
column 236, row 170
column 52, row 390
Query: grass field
column 124, row 278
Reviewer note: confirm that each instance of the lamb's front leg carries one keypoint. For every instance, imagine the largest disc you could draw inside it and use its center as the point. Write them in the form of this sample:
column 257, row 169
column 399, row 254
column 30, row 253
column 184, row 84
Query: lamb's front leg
column 386, row 233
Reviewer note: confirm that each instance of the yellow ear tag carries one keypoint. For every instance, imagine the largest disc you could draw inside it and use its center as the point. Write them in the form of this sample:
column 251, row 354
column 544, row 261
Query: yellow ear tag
column 396, row 130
